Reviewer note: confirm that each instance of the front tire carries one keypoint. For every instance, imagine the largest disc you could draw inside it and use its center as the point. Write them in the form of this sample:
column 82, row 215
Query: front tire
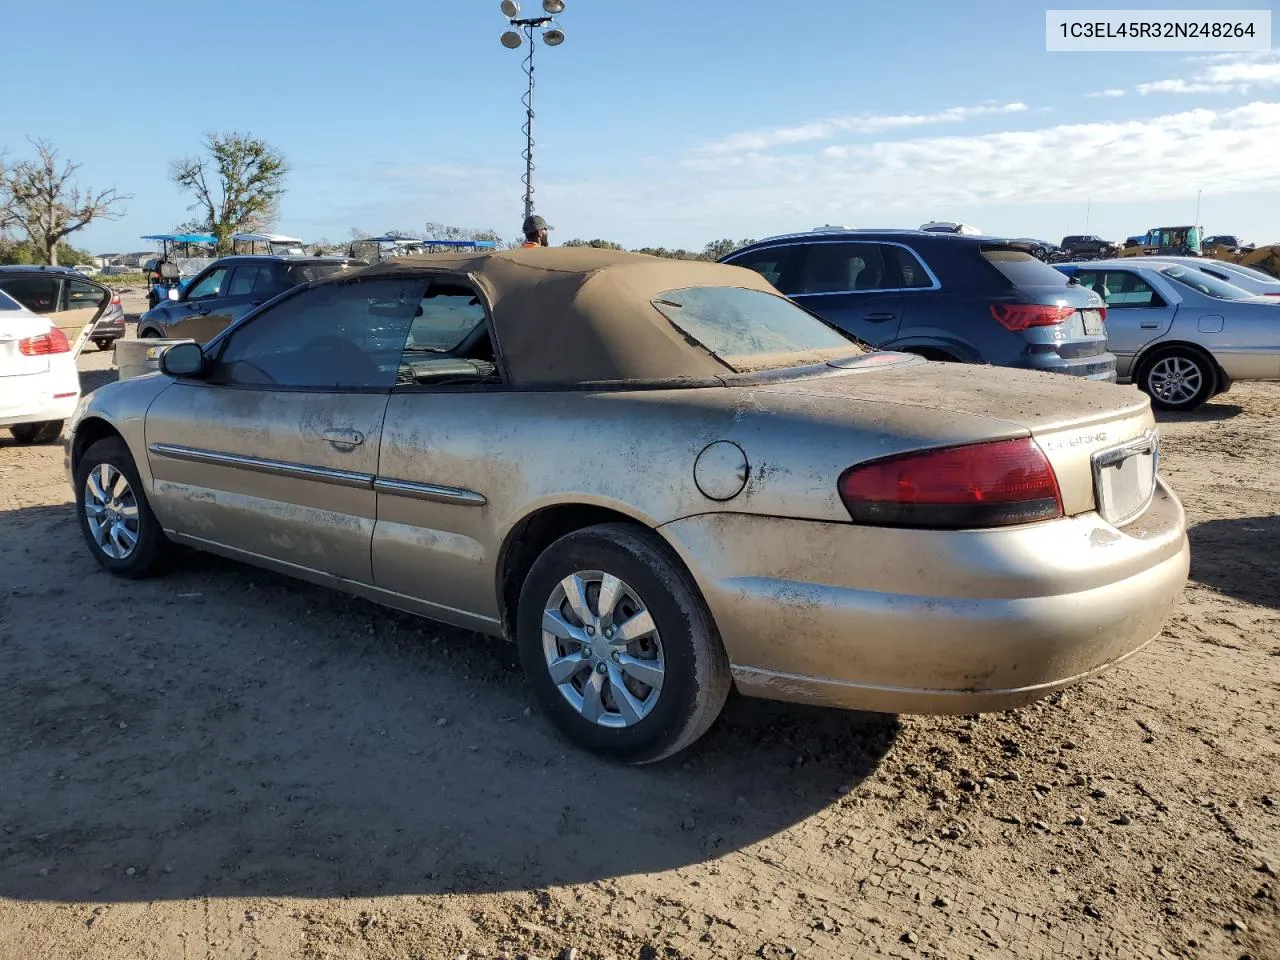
column 42, row 431
column 618, row 646
column 1177, row 379
column 122, row 533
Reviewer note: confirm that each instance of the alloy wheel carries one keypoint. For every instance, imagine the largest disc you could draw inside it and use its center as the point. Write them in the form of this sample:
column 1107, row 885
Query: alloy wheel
column 1175, row 379
column 602, row 649
column 112, row 511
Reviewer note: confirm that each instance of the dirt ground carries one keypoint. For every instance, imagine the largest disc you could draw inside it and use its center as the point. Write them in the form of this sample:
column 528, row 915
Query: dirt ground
column 222, row 763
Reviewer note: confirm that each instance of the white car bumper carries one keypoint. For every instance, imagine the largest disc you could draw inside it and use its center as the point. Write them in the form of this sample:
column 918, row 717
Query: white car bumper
column 51, row 395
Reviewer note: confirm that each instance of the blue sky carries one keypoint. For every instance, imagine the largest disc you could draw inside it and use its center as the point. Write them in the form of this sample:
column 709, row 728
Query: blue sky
column 670, row 122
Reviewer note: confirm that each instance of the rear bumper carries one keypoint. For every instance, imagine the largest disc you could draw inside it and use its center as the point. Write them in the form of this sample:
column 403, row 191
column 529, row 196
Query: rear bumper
column 39, row 405
column 914, row 621
column 112, row 327
column 1100, row 367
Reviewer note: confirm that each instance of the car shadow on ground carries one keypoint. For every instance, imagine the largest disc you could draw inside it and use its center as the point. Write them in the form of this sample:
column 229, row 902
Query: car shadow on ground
column 1210, row 412
column 226, row 732
column 1237, row 557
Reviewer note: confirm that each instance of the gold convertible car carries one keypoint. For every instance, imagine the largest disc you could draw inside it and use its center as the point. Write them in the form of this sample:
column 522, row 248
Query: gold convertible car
column 661, row 479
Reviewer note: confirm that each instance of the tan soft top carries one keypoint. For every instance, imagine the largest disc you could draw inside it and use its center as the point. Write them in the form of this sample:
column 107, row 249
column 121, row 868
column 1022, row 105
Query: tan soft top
column 581, row 315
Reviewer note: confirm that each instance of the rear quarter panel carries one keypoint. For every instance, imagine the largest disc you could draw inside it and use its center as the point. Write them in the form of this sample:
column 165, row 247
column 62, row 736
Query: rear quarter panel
column 633, row 452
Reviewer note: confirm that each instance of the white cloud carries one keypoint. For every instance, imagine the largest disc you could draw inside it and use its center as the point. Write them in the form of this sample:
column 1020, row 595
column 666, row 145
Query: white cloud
column 1224, row 73
column 756, row 140
column 1230, row 151
column 1112, row 92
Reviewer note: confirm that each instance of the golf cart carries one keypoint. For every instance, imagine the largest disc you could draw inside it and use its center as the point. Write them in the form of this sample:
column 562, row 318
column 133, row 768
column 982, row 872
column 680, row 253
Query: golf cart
column 182, row 256
column 375, row 249
column 273, row 244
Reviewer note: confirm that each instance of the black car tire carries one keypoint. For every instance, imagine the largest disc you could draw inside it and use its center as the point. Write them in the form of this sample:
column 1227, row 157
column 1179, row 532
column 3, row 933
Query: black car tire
column 696, row 677
column 104, row 344
column 1178, row 379
column 149, row 334
column 148, row 555
column 42, row 431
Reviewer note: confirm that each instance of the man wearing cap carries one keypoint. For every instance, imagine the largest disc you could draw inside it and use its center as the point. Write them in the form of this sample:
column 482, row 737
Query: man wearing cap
column 535, row 232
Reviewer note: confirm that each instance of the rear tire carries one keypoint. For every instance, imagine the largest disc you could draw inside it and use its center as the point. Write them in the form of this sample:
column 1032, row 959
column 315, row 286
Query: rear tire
column 123, row 534
column 149, row 334
column 42, row 431
column 1178, row 379
column 599, row 699
column 104, row 344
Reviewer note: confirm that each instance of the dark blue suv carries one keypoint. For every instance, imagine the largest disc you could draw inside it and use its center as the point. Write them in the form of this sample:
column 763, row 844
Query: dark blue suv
column 942, row 296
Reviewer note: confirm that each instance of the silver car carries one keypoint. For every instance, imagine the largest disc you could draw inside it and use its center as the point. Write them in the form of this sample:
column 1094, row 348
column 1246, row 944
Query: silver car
column 660, row 478
column 1181, row 334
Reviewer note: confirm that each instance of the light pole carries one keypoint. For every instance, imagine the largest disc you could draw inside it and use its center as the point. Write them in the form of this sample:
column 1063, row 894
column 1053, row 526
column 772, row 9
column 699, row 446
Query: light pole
column 522, row 30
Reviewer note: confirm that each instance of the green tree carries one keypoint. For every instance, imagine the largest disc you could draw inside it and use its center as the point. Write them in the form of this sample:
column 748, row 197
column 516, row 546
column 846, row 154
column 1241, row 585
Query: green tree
column 719, row 248
column 40, row 198
column 237, row 184
column 598, row 244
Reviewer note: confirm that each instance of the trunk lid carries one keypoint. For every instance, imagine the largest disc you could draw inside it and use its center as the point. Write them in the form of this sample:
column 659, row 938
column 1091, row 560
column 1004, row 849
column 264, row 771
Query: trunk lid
column 1091, row 432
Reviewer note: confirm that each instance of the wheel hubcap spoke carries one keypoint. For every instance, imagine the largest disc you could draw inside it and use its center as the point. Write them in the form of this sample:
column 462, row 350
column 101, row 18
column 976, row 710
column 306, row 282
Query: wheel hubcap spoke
column 593, row 697
column 648, row 672
column 575, row 591
column 641, row 625
column 629, row 708
column 564, row 669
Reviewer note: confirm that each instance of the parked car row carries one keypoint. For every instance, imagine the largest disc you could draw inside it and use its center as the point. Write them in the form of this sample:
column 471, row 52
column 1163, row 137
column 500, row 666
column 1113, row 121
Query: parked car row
column 663, row 479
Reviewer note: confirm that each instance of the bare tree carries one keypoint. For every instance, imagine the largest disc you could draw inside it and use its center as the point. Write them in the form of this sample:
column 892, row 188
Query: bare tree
column 237, row 186
column 39, row 197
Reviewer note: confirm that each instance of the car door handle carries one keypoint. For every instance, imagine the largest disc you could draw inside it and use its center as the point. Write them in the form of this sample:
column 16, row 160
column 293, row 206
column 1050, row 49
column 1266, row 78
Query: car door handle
column 344, row 439
column 879, row 317
column 1149, row 326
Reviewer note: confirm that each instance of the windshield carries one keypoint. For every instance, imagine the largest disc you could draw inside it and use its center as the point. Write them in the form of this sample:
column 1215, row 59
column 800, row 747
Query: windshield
column 751, row 329
column 306, row 272
column 1203, row 283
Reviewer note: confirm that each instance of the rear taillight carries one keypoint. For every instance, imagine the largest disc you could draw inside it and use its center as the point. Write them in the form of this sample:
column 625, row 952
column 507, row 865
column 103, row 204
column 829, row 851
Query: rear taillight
column 981, row 485
column 55, row 341
column 1020, row 316
column 115, row 299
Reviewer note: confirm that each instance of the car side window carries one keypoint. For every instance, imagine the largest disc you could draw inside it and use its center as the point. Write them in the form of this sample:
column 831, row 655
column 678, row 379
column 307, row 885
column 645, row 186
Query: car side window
column 210, row 285
column 841, row 268
column 448, row 341
column 37, row 294
column 1125, row 289
column 771, row 263
column 1091, row 280
column 243, row 279
column 81, row 295
column 902, row 269
column 335, row 336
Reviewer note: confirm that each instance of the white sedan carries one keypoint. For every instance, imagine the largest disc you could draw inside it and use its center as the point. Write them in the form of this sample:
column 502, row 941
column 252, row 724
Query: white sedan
column 39, row 385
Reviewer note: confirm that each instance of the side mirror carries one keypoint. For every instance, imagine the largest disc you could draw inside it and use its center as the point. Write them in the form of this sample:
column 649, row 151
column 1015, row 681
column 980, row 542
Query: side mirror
column 173, row 293
column 183, row 360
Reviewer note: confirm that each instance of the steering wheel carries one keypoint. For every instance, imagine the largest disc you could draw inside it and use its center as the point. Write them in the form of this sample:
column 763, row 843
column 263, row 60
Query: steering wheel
column 343, row 358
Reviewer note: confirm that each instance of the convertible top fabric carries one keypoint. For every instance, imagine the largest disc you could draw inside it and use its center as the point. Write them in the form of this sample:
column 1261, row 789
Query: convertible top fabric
column 580, row 315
